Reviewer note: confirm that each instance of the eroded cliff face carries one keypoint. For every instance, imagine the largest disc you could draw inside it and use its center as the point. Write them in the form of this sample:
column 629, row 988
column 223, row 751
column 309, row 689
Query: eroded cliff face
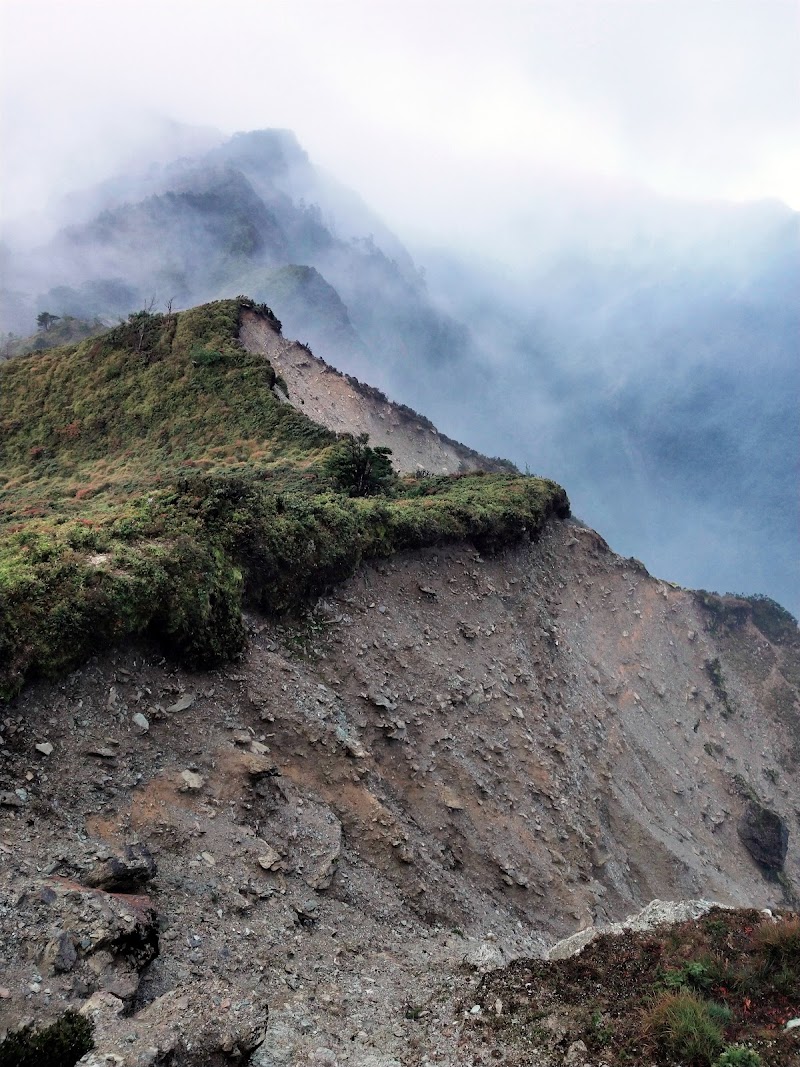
column 452, row 760
column 345, row 405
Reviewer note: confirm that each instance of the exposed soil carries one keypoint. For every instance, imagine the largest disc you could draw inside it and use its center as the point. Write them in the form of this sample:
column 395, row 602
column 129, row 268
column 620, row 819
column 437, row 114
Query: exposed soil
column 452, row 762
column 345, row 405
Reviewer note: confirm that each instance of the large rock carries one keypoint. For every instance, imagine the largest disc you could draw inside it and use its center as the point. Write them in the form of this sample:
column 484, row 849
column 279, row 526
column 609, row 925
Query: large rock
column 127, row 871
column 765, row 835
column 103, row 941
column 656, row 913
column 202, row 1023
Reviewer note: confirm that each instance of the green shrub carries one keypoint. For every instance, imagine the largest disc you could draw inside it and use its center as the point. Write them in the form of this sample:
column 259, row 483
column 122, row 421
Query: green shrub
column 59, row 1045
column 772, row 619
column 694, row 974
column 714, row 672
column 738, row 1056
column 358, row 470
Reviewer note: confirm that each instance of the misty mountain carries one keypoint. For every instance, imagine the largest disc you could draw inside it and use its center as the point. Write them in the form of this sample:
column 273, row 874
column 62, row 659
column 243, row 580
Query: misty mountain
column 644, row 352
column 251, row 215
column 658, row 377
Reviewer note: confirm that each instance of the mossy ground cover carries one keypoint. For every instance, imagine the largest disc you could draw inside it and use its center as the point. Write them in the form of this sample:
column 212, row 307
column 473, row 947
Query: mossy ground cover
column 699, row 993
column 151, row 481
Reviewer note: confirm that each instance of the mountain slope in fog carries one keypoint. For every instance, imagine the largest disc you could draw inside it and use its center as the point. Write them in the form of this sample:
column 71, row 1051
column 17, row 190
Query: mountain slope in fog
column 252, row 216
column 644, row 352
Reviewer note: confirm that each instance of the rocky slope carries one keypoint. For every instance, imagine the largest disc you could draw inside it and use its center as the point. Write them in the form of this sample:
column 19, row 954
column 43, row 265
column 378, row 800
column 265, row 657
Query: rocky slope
column 345, row 405
column 452, row 759
column 313, row 854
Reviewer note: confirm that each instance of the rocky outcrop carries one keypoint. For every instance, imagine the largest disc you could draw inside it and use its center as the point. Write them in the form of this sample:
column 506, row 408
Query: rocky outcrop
column 345, row 405
column 126, row 871
column 657, row 913
column 765, row 835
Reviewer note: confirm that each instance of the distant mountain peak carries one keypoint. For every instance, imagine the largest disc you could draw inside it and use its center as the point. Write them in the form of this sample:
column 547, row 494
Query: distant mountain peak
column 271, row 150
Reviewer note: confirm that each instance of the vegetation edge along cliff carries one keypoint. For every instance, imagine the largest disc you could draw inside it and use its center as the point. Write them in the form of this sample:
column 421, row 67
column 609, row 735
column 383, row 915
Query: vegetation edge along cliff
column 153, row 480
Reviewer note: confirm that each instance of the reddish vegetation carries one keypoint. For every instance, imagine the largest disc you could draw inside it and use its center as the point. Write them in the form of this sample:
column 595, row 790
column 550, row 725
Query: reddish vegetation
column 743, row 961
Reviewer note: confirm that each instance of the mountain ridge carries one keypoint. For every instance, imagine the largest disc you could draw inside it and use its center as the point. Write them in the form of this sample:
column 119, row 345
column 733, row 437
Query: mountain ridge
column 478, row 729
column 160, row 458
column 641, row 350
column 306, row 759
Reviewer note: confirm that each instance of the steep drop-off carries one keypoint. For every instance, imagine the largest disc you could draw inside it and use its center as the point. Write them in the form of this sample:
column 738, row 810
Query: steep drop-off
column 453, row 757
column 460, row 753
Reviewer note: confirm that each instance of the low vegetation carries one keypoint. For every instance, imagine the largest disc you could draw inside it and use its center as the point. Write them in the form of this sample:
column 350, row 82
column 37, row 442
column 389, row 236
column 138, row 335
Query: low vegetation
column 715, row 992
column 61, row 1044
column 54, row 330
column 733, row 610
column 717, row 679
column 152, row 483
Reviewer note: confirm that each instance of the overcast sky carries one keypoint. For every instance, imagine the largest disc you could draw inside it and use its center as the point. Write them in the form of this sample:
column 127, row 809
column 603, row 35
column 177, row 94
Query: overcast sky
column 430, row 110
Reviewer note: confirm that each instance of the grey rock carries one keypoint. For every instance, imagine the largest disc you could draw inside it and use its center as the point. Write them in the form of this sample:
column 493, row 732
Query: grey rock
column 278, row 1046
column 126, row 871
column 576, row 1053
column 182, row 703
column 271, row 860
column 101, row 1007
column 381, row 701
column 258, row 766
column 191, row 782
column 61, row 953
column 656, row 913
column 765, row 835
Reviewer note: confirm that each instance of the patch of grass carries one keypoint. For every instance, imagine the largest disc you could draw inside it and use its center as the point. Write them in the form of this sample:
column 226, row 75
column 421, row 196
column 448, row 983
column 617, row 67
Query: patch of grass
column 602, row 1033
column 715, row 991
column 152, row 482
column 778, row 946
column 682, row 1024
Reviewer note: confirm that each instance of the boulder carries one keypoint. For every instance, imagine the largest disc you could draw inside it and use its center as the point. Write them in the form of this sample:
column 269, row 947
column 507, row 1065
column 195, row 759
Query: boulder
column 126, row 871
column 765, row 835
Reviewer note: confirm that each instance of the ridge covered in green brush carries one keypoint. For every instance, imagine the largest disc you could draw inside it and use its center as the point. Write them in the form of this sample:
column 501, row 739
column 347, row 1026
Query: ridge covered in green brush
column 152, row 481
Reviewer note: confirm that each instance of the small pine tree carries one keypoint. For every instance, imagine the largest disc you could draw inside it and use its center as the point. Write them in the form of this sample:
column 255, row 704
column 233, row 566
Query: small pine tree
column 44, row 320
column 359, row 470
